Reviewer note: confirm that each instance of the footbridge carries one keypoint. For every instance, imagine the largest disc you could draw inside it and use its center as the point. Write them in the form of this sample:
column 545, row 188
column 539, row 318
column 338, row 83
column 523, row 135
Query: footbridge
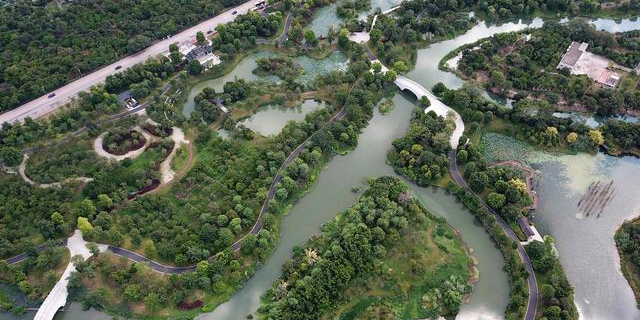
column 57, row 298
column 436, row 106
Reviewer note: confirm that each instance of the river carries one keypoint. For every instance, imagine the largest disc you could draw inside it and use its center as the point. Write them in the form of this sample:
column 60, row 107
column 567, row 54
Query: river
column 586, row 246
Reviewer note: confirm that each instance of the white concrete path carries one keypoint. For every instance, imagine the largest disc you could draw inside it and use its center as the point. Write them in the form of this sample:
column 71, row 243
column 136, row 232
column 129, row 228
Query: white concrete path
column 57, row 298
column 165, row 167
column 23, row 168
column 437, row 106
column 97, row 146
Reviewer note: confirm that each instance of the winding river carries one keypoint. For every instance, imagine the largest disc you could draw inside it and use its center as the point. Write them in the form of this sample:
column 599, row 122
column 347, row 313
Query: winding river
column 586, row 245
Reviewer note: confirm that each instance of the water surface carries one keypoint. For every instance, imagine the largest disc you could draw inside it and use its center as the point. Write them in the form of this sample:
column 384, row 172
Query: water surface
column 269, row 120
column 332, row 194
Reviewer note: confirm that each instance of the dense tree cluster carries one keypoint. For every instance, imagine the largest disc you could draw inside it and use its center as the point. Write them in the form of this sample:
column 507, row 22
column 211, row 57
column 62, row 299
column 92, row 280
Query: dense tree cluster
column 36, row 275
column 315, row 280
column 284, row 68
column 512, row 63
column 629, row 249
column 136, row 284
column 92, row 105
column 536, row 123
column 45, row 45
column 421, row 155
column 507, row 191
column 241, row 34
column 120, row 140
column 27, row 211
column 141, row 79
column 514, row 267
column 396, row 38
column 555, row 289
column 351, row 9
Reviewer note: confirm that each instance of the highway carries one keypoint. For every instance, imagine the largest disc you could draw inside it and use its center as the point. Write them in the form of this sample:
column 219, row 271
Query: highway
column 45, row 105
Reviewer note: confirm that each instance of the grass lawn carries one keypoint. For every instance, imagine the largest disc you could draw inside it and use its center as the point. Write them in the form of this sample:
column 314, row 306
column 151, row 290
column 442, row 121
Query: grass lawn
column 180, row 159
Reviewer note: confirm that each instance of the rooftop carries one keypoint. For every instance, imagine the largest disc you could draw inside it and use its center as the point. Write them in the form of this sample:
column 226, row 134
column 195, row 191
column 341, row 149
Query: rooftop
column 574, row 52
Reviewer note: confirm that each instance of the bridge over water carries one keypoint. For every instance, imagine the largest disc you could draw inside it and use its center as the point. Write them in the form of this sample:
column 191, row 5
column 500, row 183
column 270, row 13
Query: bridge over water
column 57, row 298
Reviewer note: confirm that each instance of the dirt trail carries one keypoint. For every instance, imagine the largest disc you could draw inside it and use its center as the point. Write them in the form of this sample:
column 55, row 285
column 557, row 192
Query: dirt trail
column 97, row 146
column 23, row 168
column 167, row 174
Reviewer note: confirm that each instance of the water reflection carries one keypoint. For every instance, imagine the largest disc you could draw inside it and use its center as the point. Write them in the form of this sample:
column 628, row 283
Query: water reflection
column 587, row 248
column 270, row 120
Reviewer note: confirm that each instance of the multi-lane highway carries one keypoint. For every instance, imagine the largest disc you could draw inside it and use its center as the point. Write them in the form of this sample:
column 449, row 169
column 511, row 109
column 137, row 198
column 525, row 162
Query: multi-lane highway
column 44, row 105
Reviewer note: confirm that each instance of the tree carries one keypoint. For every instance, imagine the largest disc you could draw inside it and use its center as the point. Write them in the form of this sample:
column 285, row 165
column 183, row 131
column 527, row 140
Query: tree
column 176, row 57
column 343, row 38
column 194, row 67
column 596, row 137
column 424, row 102
column 201, row 38
column 375, row 35
column 478, row 181
column 87, row 209
column 104, row 202
column 331, row 34
column 84, row 226
column 152, row 302
column 377, row 67
column 400, row 66
column 572, row 137
column 496, row 200
column 310, row 37
column 390, row 76
column 10, row 156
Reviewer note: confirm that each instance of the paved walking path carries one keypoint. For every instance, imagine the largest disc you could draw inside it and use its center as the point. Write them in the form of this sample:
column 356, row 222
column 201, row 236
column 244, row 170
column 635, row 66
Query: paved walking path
column 165, row 167
column 97, row 146
column 532, row 302
column 57, row 298
column 23, row 174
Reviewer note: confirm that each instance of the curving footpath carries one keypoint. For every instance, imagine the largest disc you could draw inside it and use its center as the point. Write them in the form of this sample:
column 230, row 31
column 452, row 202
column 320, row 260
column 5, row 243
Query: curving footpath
column 22, row 170
column 161, row 268
column 443, row 110
column 100, row 151
column 57, row 298
column 532, row 302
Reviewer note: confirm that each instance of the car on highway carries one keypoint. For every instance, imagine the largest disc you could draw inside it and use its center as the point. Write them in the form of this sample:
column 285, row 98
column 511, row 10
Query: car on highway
column 234, row 12
column 51, row 95
column 118, row 67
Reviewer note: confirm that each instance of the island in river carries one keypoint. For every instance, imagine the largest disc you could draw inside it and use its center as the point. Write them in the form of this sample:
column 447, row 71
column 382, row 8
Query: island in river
column 234, row 92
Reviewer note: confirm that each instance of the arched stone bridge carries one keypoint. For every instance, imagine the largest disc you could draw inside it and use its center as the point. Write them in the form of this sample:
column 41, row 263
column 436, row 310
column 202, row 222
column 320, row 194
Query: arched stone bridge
column 437, row 106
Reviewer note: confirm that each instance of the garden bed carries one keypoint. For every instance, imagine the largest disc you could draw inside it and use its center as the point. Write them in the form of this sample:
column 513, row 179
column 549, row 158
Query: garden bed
column 120, row 141
column 158, row 131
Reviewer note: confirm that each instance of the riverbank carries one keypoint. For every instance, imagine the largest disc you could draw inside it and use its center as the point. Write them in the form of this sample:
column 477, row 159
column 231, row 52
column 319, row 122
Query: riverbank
column 419, row 237
column 628, row 251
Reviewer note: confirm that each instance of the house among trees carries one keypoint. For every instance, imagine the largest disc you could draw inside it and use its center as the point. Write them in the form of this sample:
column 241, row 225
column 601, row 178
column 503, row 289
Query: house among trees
column 204, row 55
column 526, row 227
column 598, row 68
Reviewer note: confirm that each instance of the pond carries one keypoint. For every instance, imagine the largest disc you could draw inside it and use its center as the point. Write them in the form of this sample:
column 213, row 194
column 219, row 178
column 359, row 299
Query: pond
column 269, row 120
column 244, row 70
column 326, row 17
column 585, row 243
